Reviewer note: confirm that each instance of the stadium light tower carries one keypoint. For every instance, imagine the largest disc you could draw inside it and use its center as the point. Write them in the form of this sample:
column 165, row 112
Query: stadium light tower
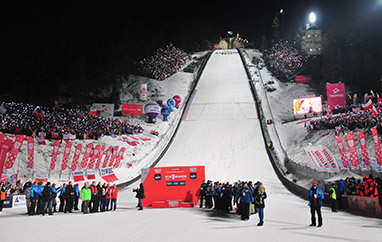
column 312, row 18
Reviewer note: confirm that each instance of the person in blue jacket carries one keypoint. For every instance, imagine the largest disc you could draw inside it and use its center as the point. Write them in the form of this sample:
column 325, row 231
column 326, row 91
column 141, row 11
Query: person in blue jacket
column 77, row 194
column 34, row 198
column 40, row 202
column 245, row 196
column 315, row 197
column 62, row 198
column 55, row 192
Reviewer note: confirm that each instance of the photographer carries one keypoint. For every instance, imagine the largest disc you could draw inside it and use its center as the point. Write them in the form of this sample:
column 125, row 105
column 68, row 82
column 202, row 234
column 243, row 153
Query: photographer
column 140, row 195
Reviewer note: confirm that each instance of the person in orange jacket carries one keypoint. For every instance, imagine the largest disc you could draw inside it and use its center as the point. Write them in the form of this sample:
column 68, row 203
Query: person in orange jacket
column 114, row 196
column 3, row 193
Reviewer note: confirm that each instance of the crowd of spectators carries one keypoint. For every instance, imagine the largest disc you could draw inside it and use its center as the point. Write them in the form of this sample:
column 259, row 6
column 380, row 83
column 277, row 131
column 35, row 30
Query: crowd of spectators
column 351, row 120
column 58, row 122
column 368, row 186
column 163, row 63
column 284, row 60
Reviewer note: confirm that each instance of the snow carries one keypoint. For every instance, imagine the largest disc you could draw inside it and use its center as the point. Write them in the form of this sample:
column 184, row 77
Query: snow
column 222, row 132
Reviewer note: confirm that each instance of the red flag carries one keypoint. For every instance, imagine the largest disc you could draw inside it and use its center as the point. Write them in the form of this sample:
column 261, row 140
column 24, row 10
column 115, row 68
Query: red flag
column 2, row 137
column 377, row 145
column 56, row 147
column 38, row 113
column 365, row 154
column 369, row 106
column 379, row 101
column 85, row 158
column 65, row 158
column 108, row 153
column 4, row 148
column 341, row 147
column 30, row 152
column 119, row 157
column 352, row 149
column 100, row 154
column 77, row 154
column 14, row 151
column 94, row 157
column 113, row 156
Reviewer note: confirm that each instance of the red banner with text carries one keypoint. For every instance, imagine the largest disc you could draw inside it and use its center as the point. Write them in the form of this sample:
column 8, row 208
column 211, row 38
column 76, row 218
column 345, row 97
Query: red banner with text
column 377, row 145
column 352, row 149
column 76, row 156
column 14, row 151
column 132, row 109
column 5, row 146
column 113, row 156
column 56, row 147
column 65, row 158
column 119, row 157
column 336, row 95
column 341, row 148
column 365, row 153
column 85, row 158
column 94, row 157
column 30, row 142
column 108, row 154
column 100, row 154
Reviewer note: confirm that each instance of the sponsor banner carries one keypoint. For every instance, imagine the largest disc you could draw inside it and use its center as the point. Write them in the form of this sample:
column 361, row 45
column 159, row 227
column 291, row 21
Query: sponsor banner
column 65, row 158
column 90, row 174
column 108, row 174
column 30, row 142
column 329, row 157
column 76, row 156
column 307, row 105
column 365, row 153
column 100, row 154
column 2, row 137
column 5, row 146
column 366, row 205
column 341, row 148
column 119, row 157
column 7, row 203
column 19, row 201
column 336, row 95
column 352, row 149
column 132, row 109
column 322, row 158
column 104, row 109
column 94, row 156
column 56, row 147
column 377, row 145
column 301, row 79
column 40, row 178
column 78, row 176
column 107, row 156
column 143, row 92
column 85, row 158
column 4, row 178
column 15, row 149
column 310, row 151
column 113, row 156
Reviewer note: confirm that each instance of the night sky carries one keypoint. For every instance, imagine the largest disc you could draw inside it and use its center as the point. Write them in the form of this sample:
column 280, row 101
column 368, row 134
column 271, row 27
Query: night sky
column 60, row 41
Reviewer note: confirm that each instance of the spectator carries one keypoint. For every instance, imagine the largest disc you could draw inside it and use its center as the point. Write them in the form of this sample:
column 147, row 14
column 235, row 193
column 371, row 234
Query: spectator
column 54, row 196
column 3, row 193
column 62, row 198
column 260, row 196
column 315, row 197
column 140, row 195
column 76, row 196
column 69, row 195
column 47, row 196
column 114, row 196
column 86, row 195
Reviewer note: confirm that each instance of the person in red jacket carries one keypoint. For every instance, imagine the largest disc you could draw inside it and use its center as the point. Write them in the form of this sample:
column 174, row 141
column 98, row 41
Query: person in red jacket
column 108, row 197
column 114, row 196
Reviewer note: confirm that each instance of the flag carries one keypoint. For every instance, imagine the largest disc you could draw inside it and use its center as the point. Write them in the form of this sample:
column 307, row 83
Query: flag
column 30, row 152
column 352, row 149
column 38, row 113
column 369, row 106
column 365, row 153
column 379, row 101
column 56, row 147
column 377, row 145
column 93, row 111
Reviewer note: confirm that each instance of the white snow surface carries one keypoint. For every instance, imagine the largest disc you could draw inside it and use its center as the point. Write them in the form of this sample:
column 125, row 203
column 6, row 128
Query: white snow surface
column 222, row 132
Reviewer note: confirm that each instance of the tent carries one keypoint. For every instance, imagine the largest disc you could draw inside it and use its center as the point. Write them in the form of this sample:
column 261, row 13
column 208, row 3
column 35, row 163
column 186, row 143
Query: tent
column 343, row 174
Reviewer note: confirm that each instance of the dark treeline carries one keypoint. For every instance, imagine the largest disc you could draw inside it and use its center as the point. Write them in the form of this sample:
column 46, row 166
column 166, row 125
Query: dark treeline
column 73, row 49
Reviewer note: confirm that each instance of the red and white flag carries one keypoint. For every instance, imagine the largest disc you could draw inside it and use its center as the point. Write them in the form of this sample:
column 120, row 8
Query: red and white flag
column 113, row 156
column 2, row 137
column 4, row 148
column 65, row 158
column 90, row 174
column 100, row 154
column 108, row 154
column 14, row 151
column 365, row 154
column 94, row 157
column 30, row 141
column 377, row 145
column 76, row 156
column 38, row 113
column 379, row 101
column 78, row 176
column 369, row 106
column 119, row 157
column 85, row 158
column 56, row 147
column 341, row 148
column 352, row 149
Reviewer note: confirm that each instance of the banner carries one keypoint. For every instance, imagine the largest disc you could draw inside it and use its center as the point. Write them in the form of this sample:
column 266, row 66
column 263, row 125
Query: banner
column 322, row 158
column 307, row 105
column 365, row 154
column 341, row 148
column 78, row 176
column 76, row 156
column 132, row 109
column 329, row 157
column 94, row 156
column 108, row 153
column 352, row 149
column 56, row 147
column 104, row 109
column 300, row 79
column 113, row 156
column 14, row 151
column 19, row 201
column 119, row 157
column 65, row 158
column 41, row 178
column 100, row 154
column 143, row 92
column 336, row 95
column 2, row 137
column 377, row 145
column 5, row 146
column 90, row 174
column 108, row 174
column 30, row 141
column 85, row 158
